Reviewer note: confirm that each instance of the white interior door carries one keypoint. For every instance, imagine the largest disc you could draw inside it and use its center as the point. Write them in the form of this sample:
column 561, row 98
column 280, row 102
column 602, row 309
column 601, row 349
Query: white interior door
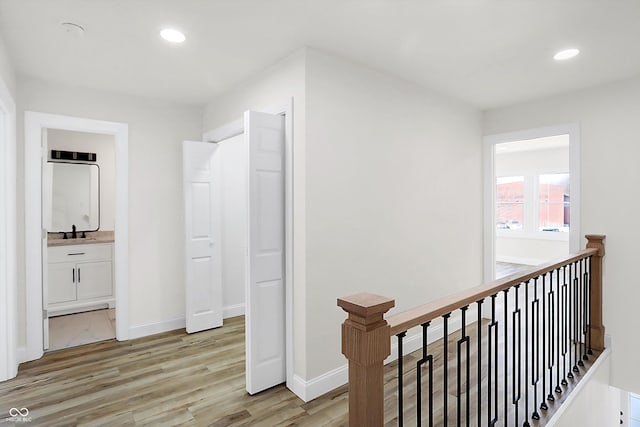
column 265, row 303
column 203, row 277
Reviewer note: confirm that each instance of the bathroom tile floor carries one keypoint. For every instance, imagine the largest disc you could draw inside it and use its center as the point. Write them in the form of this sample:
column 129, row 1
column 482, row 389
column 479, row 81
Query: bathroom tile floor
column 77, row 329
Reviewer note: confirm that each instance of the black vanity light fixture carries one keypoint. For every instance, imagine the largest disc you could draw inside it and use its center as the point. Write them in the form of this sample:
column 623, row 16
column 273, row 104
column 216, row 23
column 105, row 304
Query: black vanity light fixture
column 73, row 155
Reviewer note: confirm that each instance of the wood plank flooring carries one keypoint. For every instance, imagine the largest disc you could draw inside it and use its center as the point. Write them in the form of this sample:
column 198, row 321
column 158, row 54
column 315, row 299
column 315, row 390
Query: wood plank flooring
column 173, row 379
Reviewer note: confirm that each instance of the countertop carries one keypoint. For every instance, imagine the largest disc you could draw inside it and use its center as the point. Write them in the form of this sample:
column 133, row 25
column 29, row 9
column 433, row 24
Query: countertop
column 93, row 237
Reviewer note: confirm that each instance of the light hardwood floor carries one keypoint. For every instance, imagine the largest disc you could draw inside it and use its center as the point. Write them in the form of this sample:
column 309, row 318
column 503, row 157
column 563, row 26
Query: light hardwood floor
column 177, row 379
column 166, row 379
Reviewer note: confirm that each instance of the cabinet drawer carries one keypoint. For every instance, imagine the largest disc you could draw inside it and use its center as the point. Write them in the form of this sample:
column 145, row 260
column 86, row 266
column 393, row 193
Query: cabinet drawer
column 80, row 253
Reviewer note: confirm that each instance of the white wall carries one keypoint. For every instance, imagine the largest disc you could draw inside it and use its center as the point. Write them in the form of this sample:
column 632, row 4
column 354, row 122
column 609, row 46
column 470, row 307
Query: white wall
column 610, row 149
column 276, row 85
column 387, row 195
column 233, row 157
column 394, row 196
column 7, row 72
column 156, row 226
column 532, row 162
column 104, row 147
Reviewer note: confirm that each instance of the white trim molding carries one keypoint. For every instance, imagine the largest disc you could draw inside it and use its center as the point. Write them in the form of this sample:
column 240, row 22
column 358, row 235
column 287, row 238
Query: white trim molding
column 153, row 328
column 308, row 390
column 35, row 124
column 8, row 277
column 571, row 129
column 233, row 311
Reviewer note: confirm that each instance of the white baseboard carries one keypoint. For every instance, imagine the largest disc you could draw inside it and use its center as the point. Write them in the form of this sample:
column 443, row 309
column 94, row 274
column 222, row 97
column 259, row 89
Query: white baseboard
column 310, row 389
column 21, row 354
column 519, row 260
column 233, row 311
column 156, row 327
column 147, row 329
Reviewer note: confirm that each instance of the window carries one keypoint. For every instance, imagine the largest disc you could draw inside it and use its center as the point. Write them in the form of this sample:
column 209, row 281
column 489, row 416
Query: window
column 510, row 202
column 534, row 205
column 553, row 202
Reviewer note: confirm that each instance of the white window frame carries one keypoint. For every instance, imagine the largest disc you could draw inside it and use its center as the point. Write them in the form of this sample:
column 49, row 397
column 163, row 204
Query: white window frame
column 489, row 142
column 530, row 228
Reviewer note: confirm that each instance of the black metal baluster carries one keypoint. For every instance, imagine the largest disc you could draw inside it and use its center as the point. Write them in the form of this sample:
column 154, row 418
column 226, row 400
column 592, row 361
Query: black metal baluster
column 543, row 405
column 506, row 360
column 425, row 358
column 464, row 339
column 445, row 361
column 551, row 310
column 585, row 302
column 558, row 389
column 400, row 336
column 535, row 349
column 580, row 313
column 590, row 350
column 479, row 348
column 492, row 356
column 564, row 328
column 571, row 311
column 526, row 354
column 576, row 317
column 516, row 356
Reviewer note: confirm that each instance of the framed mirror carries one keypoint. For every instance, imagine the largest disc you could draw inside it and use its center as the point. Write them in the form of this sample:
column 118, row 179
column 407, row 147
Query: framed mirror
column 72, row 197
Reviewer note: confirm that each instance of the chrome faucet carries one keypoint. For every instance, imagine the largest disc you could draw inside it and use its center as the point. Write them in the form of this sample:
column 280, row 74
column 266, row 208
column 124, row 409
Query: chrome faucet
column 73, row 232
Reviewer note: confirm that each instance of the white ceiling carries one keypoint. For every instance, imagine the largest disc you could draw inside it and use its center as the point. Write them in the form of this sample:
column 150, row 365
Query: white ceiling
column 486, row 52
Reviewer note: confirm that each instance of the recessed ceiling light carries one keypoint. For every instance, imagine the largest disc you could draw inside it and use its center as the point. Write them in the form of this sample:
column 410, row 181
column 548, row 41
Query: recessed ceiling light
column 566, row 54
column 173, row 36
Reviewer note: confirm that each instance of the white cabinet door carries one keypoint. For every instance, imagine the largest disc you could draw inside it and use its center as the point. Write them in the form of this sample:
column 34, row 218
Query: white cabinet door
column 94, row 280
column 62, row 286
column 265, row 306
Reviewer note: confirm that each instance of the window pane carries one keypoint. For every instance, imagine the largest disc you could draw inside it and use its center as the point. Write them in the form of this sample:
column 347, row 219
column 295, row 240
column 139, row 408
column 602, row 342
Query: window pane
column 554, row 202
column 510, row 202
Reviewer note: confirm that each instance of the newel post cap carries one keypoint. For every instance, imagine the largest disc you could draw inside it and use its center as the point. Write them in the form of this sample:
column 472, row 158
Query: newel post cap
column 366, row 305
column 596, row 241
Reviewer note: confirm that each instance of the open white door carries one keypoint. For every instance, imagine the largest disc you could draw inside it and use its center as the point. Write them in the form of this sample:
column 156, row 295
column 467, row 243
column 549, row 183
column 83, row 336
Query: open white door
column 203, row 278
column 265, row 294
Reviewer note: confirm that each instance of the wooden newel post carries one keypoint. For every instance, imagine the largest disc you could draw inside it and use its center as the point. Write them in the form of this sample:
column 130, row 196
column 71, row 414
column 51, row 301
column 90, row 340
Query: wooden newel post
column 366, row 343
column 596, row 328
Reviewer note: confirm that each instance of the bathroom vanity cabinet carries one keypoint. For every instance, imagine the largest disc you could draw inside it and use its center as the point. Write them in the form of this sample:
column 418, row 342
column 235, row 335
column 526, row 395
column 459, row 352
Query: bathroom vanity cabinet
column 80, row 277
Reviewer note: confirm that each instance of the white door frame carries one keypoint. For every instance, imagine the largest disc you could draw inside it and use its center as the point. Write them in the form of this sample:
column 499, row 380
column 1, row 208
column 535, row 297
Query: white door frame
column 236, row 128
column 34, row 124
column 573, row 130
column 8, row 281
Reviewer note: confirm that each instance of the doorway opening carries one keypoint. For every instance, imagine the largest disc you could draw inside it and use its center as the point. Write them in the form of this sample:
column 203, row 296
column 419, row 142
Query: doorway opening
column 252, row 189
column 83, row 274
column 78, row 214
column 532, row 212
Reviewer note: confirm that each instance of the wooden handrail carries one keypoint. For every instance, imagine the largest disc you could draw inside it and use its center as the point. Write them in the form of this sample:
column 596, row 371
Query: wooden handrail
column 416, row 316
column 366, row 333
